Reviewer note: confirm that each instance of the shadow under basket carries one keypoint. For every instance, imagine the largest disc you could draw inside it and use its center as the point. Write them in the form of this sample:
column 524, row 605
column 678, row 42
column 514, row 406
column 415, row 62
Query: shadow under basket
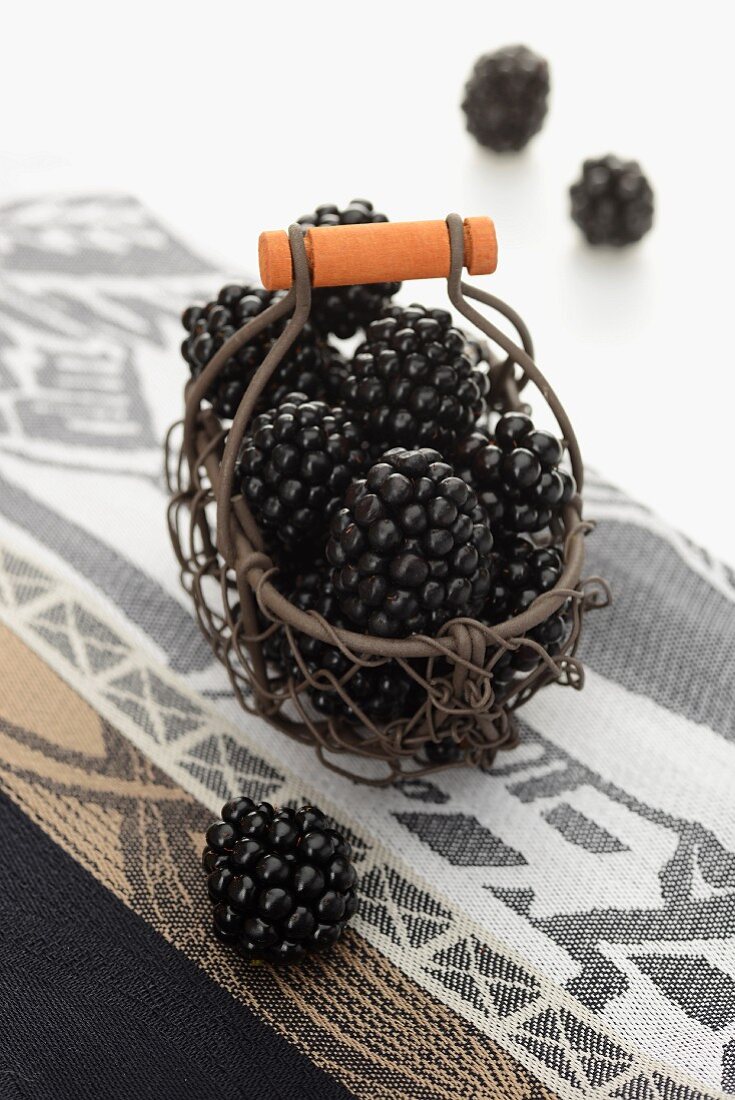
column 462, row 702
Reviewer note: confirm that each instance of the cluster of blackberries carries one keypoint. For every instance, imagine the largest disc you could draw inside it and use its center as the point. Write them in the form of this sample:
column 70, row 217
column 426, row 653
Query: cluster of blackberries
column 505, row 103
column 281, row 881
column 399, row 543
column 379, row 533
column 312, row 365
column 391, row 493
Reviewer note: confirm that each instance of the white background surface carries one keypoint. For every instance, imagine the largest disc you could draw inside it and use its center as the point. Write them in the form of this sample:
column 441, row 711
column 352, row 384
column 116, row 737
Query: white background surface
column 233, row 117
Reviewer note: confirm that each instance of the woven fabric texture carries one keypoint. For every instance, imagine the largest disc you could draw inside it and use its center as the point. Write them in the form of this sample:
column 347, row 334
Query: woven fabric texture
column 569, row 917
column 97, row 802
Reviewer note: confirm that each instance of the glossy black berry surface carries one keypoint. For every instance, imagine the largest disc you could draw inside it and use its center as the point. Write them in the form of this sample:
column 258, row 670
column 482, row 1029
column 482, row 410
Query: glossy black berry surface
column 516, row 473
column 310, row 366
column 612, row 202
column 522, row 572
column 294, row 466
column 281, row 881
column 416, row 381
column 505, row 98
column 382, row 693
column 344, row 310
column 410, row 549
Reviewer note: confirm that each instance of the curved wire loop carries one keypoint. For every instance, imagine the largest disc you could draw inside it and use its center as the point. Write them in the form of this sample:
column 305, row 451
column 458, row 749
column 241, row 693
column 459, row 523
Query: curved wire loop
column 463, row 705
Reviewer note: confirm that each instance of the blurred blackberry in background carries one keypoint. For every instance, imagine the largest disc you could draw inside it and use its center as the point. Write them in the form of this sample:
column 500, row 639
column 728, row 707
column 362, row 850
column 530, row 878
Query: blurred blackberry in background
column 416, row 381
column 294, row 466
column 410, row 549
column 516, row 474
column 310, row 367
column 505, row 98
column 281, row 881
column 383, row 692
column 343, row 310
column 612, row 203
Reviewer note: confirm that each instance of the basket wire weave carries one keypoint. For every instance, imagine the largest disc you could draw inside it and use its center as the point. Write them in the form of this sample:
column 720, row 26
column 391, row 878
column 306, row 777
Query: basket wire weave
column 228, row 573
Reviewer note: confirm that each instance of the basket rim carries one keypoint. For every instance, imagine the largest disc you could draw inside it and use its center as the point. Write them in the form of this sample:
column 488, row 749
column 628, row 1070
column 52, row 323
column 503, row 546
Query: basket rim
column 421, row 645
column 238, row 537
column 249, row 560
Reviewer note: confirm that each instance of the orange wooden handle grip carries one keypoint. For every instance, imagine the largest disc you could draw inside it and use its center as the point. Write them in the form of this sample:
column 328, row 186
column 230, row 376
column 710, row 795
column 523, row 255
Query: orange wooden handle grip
column 385, row 252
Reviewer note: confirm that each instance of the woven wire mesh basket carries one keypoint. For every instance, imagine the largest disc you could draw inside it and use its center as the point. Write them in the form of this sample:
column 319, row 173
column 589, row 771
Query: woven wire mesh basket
column 458, row 713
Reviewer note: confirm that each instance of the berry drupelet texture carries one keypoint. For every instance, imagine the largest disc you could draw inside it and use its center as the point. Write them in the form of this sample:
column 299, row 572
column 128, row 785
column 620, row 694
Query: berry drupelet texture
column 410, row 549
column 381, row 692
column 516, row 474
column 522, row 572
column 612, row 203
column 281, row 881
column 294, row 466
column 310, row 366
column 505, row 98
column 416, row 381
column 344, row 310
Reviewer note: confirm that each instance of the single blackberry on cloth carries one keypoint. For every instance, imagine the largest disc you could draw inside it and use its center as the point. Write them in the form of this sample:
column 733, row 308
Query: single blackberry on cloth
column 281, row 881
column 521, row 573
column 410, row 549
column 344, row 310
column 416, row 381
column 505, row 98
column 516, row 474
column 311, row 366
column 382, row 692
column 612, row 203
column 294, row 466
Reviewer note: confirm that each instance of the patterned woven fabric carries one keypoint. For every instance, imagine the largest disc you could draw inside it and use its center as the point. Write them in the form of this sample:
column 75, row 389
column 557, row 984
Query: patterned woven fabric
column 563, row 926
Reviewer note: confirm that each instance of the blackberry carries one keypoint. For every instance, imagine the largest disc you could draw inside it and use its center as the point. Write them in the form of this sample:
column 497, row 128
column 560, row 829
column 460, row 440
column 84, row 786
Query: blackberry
column 382, row 692
column 505, row 98
column 343, row 310
column 516, row 474
column 281, row 881
column 294, row 466
column 310, row 367
column 521, row 573
column 612, row 203
column 416, row 381
column 409, row 548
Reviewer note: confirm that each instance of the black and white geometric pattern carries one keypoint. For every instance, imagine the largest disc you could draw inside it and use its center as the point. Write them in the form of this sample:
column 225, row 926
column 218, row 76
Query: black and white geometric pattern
column 413, row 922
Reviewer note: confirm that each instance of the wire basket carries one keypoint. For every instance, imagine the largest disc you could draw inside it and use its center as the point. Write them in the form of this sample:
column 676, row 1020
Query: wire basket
column 459, row 712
